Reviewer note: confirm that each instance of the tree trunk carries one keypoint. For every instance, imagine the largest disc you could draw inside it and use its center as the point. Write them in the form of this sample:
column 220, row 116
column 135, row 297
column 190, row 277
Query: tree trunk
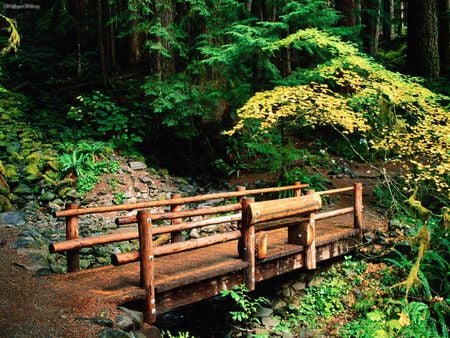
column 371, row 22
column 444, row 36
column 112, row 41
column 348, row 10
column 80, row 23
column 400, row 16
column 135, row 37
column 100, row 46
column 423, row 50
column 388, row 19
column 165, row 66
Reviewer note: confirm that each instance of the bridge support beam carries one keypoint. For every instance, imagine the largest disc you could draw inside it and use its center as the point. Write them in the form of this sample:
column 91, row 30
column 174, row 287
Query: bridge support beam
column 248, row 241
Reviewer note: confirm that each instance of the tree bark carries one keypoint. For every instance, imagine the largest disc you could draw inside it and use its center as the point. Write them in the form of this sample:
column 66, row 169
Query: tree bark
column 348, row 10
column 423, row 50
column 388, row 19
column 100, row 45
column 371, row 22
column 444, row 36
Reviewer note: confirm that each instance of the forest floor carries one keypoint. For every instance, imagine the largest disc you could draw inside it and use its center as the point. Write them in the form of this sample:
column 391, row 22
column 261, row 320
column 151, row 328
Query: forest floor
column 30, row 306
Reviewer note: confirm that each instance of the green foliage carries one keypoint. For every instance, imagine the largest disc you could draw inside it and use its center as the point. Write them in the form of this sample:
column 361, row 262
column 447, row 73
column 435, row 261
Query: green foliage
column 419, row 279
column 86, row 162
column 168, row 334
column 247, row 306
column 351, row 94
column 315, row 180
column 100, row 117
column 325, row 300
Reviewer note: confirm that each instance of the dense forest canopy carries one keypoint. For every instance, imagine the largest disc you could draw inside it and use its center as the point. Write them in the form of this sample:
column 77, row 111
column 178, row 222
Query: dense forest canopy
column 229, row 86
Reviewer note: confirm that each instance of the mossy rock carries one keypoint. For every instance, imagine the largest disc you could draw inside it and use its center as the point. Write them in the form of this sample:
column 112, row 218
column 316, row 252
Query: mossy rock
column 2, row 169
column 11, row 173
column 23, row 189
column 5, row 204
column 51, row 177
column 67, row 192
column 13, row 148
column 36, row 157
column 16, row 157
column 33, row 170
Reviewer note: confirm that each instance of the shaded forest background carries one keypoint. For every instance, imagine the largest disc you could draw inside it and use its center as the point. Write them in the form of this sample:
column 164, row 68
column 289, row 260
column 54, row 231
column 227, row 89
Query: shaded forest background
column 178, row 70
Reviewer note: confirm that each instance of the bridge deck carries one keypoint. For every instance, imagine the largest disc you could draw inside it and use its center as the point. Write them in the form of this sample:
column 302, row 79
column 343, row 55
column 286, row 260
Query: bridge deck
column 186, row 277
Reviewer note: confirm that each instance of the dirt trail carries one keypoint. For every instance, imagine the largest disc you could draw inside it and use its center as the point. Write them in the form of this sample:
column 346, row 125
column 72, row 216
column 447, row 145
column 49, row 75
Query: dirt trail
column 33, row 307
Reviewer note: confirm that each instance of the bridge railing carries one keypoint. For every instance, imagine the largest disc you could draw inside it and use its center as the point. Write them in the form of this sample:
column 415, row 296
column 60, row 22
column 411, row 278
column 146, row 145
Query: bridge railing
column 74, row 242
column 297, row 213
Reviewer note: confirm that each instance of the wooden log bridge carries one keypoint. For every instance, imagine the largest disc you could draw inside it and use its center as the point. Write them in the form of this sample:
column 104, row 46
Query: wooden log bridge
column 264, row 239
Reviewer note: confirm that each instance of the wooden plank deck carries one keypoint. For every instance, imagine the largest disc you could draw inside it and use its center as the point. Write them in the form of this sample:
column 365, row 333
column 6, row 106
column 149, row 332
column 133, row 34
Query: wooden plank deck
column 186, row 277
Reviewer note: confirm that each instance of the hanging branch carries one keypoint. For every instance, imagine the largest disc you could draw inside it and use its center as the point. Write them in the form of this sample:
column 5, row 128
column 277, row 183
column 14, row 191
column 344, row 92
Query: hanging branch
column 14, row 37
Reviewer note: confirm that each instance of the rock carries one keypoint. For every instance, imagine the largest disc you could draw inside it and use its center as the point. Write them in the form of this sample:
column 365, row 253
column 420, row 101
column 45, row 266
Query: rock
column 124, row 322
column 12, row 218
column 136, row 165
column 136, row 316
column 298, row 286
column 33, row 172
column 146, row 179
column 5, row 204
column 270, row 321
column 287, row 335
column 23, row 189
column 211, row 228
column 264, row 312
column 316, row 281
column 287, row 292
column 47, row 196
column 113, row 333
column 194, row 233
column 278, row 304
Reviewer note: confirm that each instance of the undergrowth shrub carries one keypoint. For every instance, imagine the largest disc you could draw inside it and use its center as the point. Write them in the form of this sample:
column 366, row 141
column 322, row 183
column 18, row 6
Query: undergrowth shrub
column 85, row 162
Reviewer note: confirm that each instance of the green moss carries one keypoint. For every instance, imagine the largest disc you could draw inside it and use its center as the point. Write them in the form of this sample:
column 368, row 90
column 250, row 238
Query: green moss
column 35, row 158
column 11, row 173
column 5, row 204
column 2, row 169
column 33, row 172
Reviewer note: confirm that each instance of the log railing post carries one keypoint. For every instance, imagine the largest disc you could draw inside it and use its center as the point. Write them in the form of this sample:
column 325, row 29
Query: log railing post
column 147, row 265
column 73, row 256
column 358, row 218
column 241, row 188
column 298, row 191
column 176, row 236
column 310, row 252
column 248, row 241
column 296, row 233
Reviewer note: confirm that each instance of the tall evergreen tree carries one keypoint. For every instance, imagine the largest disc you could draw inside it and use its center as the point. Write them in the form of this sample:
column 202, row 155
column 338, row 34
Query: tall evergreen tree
column 423, row 51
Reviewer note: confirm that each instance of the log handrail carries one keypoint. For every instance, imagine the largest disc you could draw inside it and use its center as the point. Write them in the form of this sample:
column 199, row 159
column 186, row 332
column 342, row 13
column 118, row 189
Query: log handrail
column 168, row 249
column 87, row 242
column 74, row 243
column 178, row 201
column 183, row 213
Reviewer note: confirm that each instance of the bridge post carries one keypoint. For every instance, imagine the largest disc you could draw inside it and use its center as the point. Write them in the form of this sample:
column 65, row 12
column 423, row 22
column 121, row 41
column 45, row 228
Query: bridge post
column 311, row 249
column 248, row 243
column 147, row 265
column 176, row 236
column 358, row 218
column 73, row 256
column 241, row 188
column 298, row 192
